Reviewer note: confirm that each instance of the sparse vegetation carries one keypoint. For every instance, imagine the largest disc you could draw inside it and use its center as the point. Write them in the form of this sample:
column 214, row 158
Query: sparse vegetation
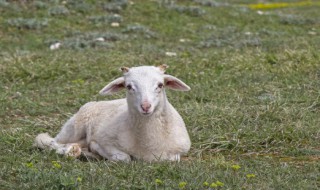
column 252, row 113
column 32, row 23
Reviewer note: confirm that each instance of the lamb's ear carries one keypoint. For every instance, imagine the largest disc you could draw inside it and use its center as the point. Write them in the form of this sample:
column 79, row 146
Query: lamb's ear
column 174, row 83
column 113, row 87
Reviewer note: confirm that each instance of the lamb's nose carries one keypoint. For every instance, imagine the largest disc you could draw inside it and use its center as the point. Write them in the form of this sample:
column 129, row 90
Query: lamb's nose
column 145, row 106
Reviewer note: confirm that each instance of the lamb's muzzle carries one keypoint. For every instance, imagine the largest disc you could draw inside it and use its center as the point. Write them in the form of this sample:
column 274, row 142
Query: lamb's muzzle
column 145, row 107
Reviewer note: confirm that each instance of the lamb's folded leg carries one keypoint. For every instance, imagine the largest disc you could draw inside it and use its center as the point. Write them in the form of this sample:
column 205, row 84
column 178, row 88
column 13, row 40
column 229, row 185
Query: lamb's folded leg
column 109, row 152
column 44, row 141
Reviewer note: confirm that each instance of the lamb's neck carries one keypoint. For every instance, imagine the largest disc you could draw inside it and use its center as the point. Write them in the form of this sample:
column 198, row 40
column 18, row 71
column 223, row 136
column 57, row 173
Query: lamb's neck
column 151, row 131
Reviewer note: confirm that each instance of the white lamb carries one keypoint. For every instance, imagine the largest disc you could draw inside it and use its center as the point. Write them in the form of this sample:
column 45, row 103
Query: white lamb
column 143, row 126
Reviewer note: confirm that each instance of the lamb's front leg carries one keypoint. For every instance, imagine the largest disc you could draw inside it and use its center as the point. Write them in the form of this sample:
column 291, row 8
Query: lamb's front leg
column 109, row 152
column 164, row 157
column 174, row 157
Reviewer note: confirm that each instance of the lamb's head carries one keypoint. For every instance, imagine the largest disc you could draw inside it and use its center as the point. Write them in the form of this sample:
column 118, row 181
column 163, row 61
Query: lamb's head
column 145, row 87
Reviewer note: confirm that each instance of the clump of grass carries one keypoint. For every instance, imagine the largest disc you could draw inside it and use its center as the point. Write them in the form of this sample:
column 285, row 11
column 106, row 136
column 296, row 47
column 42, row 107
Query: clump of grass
column 230, row 37
column 210, row 3
column 106, row 19
column 115, row 6
column 297, row 20
column 8, row 6
column 32, row 23
column 79, row 6
column 219, row 144
column 139, row 29
column 4, row 3
column 85, row 44
column 189, row 10
column 91, row 40
column 58, row 11
column 40, row 4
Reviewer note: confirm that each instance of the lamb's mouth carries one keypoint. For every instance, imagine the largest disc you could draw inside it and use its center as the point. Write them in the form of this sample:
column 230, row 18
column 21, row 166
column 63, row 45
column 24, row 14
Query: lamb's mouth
column 146, row 113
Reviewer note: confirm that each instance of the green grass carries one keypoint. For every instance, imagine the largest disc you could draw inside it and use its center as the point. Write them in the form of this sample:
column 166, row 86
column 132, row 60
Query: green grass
column 255, row 98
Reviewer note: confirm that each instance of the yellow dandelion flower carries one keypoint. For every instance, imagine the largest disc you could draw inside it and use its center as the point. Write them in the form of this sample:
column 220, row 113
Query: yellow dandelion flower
column 79, row 179
column 159, row 181
column 235, row 167
column 213, row 185
column 282, row 5
column 206, row 184
column 251, row 176
column 29, row 165
column 219, row 184
column 182, row 184
column 56, row 164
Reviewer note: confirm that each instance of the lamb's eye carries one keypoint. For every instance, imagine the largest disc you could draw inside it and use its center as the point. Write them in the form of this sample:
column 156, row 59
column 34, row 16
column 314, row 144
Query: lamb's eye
column 129, row 87
column 160, row 85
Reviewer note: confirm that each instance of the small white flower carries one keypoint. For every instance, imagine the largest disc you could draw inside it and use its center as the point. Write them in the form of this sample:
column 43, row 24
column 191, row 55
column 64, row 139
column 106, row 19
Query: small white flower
column 171, row 54
column 101, row 39
column 184, row 40
column 312, row 33
column 248, row 33
column 55, row 46
column 115, row 24
column 260, row 12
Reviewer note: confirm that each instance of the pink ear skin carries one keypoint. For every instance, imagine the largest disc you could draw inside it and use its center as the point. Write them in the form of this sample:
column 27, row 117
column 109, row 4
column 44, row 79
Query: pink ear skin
column 113, row 87
column 175, row 84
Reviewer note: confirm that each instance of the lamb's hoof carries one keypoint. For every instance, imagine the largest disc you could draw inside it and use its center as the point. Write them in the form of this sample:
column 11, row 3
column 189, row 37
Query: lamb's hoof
column 85, row 153
column 74, row 150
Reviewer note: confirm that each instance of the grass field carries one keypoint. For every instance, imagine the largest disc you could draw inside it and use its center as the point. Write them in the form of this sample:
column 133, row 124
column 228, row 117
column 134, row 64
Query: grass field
column 253, row 113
